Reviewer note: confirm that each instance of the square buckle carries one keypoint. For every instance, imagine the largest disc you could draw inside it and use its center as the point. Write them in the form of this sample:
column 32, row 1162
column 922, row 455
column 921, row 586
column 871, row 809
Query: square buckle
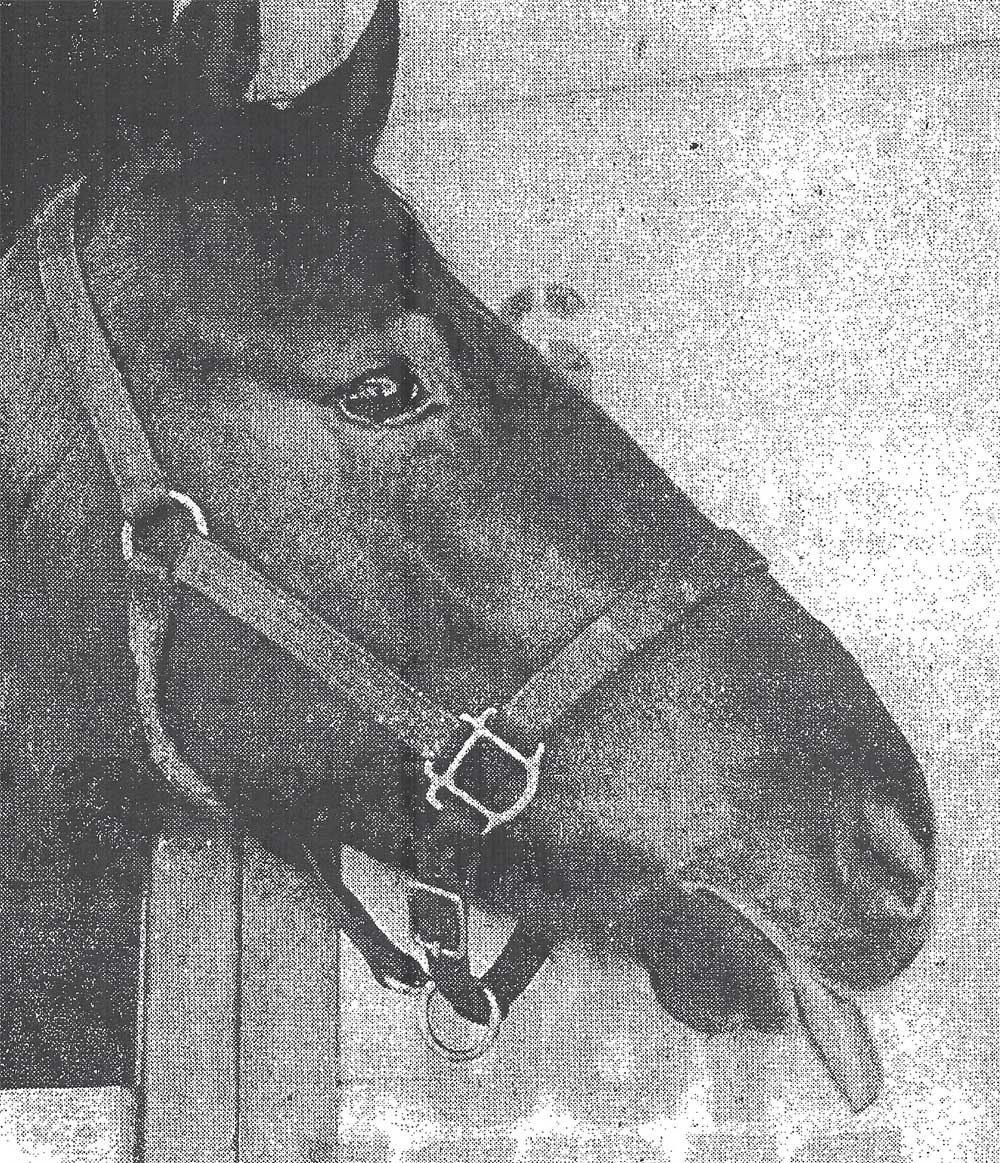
column 445, row 781
column 459, row 945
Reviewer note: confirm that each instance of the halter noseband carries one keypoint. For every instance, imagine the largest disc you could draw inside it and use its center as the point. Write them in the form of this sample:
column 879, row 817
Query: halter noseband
column 504, row 747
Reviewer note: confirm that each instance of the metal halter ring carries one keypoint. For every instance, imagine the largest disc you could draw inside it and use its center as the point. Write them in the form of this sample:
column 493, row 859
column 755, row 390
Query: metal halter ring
column 459, row 1053
column 181, row 499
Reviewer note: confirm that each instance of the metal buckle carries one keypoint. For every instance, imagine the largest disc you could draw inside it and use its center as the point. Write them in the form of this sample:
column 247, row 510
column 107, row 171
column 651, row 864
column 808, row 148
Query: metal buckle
column 445, row 781
column 433, row 946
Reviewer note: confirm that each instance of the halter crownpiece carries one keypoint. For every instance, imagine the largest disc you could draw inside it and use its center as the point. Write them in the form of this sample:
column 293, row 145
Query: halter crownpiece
column 482, row 771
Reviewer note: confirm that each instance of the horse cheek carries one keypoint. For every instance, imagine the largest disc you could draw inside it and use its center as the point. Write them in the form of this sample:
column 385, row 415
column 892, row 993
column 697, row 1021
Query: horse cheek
column 262, row 727
column 71, row 612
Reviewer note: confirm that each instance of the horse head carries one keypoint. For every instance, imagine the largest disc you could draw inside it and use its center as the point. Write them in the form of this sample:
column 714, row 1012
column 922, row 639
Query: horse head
column 728, row 802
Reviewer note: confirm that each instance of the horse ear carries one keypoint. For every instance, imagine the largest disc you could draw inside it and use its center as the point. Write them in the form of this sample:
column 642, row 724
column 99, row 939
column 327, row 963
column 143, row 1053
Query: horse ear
column 213, row 53
column 356, row 97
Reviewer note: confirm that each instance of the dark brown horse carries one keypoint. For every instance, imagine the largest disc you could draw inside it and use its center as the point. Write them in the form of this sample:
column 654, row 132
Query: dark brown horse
column 731, row 806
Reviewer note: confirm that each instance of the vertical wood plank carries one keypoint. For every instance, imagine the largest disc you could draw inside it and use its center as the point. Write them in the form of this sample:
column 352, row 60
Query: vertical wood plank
column 87, row 1124
column 289, row 1017
column 189, row 1040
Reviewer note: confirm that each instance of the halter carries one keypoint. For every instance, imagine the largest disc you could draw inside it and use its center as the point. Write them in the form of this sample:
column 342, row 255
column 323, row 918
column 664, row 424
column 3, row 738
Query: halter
column 481, row 771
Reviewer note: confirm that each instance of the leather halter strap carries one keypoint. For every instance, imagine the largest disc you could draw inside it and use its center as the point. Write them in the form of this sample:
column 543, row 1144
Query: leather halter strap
column 417, row 720
column 98, row 382
column 503, row 748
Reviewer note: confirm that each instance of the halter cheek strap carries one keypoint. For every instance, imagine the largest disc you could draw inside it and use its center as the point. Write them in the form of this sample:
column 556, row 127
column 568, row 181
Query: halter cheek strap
column 480, row 772
column 99, row 385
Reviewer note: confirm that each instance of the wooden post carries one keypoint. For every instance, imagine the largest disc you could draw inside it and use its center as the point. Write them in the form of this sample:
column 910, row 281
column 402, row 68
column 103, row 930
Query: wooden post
column 190, row 1017
column 289, row 1016
column 239, row 1057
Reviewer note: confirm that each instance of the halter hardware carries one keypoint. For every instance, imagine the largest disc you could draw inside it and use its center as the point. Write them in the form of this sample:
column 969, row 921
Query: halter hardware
column 458, row 945
column 144, row 562
column 446, row 780
column 477, row 1048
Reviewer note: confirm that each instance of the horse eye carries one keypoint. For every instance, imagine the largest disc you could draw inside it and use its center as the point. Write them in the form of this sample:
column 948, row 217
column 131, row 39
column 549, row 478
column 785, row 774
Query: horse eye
column 392, row 394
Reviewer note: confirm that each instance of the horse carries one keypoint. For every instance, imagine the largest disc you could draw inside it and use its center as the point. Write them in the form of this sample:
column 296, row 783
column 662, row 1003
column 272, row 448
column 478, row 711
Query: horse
column 298, row 530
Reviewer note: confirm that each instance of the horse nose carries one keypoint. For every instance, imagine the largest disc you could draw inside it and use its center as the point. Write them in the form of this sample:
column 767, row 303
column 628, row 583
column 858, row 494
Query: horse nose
column 883, row 862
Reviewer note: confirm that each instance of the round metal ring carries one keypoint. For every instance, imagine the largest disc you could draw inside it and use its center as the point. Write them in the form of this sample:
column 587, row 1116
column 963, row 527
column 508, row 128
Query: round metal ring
column 459, row 1053
column 181, row 499
column 193, row 508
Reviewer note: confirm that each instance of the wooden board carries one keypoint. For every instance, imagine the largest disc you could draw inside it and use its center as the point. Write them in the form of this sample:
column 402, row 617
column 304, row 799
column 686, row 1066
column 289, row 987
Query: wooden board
column 189, row 1022
column 288, row 1032
column 239, row 1045
column 68, row 1125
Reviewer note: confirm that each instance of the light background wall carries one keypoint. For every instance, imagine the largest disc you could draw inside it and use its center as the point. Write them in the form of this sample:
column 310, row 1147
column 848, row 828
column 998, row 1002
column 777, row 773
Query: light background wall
column 482, row 51
column 786, row 218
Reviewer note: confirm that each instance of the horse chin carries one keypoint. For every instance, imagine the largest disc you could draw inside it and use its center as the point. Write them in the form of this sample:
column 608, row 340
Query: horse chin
column 714, row 974
column 708, row 969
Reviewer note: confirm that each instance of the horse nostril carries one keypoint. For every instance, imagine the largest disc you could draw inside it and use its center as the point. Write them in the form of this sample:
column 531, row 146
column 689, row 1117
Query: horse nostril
column 883, row 863
column 892, row 837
